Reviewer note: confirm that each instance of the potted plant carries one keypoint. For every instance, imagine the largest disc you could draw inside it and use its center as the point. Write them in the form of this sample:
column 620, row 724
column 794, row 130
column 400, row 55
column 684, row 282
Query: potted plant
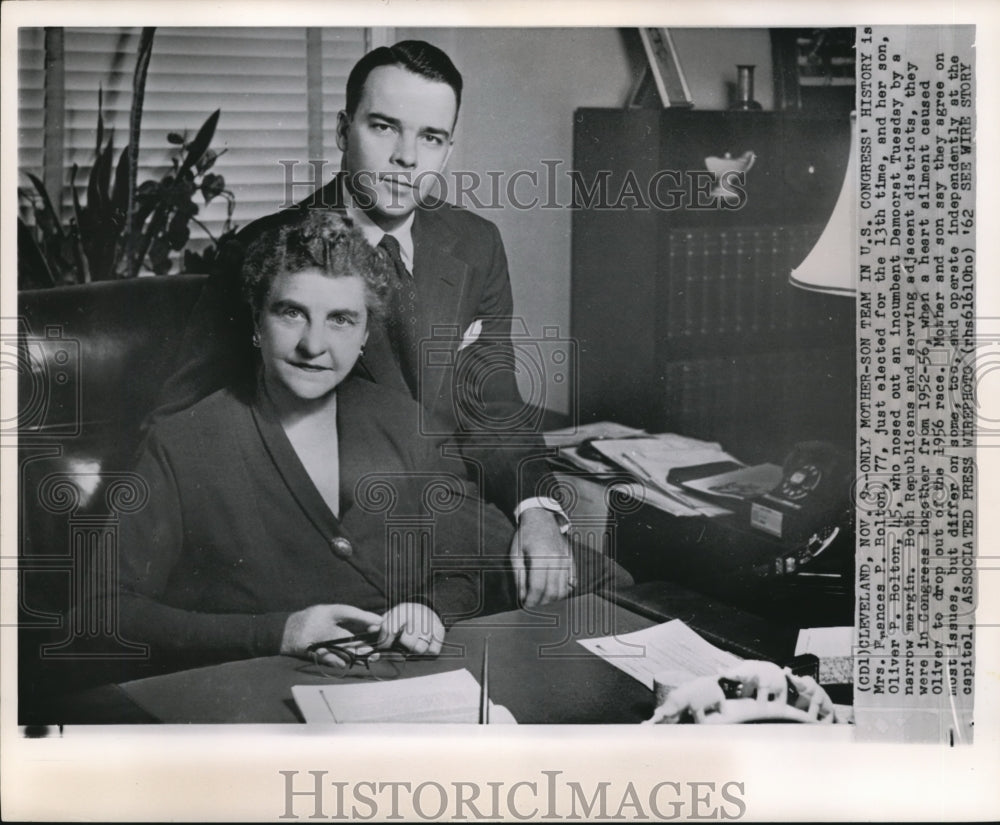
column 98, row 242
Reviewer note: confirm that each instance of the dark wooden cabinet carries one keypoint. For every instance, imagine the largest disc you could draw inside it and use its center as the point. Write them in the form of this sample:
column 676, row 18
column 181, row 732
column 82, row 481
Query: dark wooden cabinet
column 681, row 308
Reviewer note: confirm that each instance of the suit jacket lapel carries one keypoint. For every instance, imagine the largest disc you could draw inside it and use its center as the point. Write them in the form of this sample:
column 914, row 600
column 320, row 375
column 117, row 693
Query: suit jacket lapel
column 378, row 364
column 440, row 277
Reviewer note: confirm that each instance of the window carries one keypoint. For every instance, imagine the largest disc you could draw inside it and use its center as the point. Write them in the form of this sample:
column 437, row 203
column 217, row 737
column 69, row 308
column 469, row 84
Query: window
column 278, row 90
column 31, row 102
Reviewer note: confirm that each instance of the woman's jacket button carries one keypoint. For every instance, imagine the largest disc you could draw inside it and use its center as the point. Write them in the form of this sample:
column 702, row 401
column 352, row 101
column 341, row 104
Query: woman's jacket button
column 341, row 546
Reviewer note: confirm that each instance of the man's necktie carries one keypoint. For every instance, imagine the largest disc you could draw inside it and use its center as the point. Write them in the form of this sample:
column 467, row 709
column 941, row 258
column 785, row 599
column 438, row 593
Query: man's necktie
column 401, row 323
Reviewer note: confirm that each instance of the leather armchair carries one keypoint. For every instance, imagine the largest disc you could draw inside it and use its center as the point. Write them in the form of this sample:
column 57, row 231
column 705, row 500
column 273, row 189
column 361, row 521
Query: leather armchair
column 90, row 363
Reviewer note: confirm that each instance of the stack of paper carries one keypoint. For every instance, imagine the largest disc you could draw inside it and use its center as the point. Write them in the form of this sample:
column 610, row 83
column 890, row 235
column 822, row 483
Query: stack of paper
column 570, row 443
column 443, row 697
column 569, row 436
column 570, row 458
column 650, row 459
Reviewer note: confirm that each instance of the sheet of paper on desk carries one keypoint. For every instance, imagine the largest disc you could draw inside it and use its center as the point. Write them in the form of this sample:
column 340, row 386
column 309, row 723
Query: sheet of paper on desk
column 650, row 459
column 441, row 697
column 599, row 429
column 833, row 646
column 672, row 648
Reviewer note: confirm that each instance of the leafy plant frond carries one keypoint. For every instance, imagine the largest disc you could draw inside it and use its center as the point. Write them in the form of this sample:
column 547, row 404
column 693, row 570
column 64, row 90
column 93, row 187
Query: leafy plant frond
column 196, row 148
column 123, row 225
column 48, row 214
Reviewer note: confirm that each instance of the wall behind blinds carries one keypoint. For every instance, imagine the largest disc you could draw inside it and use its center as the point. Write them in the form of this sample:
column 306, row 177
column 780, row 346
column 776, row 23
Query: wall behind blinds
column 341, row 49
column 256, row 76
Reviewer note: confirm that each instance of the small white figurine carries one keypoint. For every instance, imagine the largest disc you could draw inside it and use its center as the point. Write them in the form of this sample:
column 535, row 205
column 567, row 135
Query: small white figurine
column 753, row 691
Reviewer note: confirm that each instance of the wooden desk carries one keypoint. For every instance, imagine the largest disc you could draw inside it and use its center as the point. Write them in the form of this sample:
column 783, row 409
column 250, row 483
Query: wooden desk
column 723, row 558
column 537, row 669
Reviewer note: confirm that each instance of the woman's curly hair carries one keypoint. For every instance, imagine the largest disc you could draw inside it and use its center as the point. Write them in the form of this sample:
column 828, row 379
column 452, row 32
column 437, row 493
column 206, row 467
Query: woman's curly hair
column 316, row 239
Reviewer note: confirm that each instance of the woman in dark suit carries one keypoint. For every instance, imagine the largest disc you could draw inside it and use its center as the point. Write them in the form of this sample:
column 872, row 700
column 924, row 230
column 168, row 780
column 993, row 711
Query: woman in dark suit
column 307, row 506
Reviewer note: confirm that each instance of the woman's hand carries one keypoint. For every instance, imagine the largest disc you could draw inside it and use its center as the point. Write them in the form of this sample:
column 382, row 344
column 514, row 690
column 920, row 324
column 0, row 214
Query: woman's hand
column 322, row 622
column 413, row 626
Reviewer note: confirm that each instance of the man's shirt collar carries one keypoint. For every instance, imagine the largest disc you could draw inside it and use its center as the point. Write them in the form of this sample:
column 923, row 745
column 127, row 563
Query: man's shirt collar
column 373, row 232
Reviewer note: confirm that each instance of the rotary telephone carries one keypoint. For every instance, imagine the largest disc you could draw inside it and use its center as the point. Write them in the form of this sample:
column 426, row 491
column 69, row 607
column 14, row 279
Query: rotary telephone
column 810, row 508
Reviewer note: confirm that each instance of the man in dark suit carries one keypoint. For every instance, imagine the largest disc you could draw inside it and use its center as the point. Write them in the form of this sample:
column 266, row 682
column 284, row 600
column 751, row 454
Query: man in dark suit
column 452, row 307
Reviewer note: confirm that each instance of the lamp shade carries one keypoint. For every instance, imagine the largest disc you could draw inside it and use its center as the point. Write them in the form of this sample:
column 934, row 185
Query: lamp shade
column 832, row 265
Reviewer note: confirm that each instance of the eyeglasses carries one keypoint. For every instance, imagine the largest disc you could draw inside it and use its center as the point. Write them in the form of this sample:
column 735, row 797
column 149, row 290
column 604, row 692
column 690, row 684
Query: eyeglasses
column 379, row 664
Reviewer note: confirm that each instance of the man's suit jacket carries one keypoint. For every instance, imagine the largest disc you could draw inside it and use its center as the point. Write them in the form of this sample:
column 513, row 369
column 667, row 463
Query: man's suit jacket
column 460, row 272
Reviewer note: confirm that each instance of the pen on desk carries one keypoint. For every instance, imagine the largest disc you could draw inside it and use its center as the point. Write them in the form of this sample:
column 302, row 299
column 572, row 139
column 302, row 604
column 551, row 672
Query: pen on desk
column 637, row 465
column 484, row 685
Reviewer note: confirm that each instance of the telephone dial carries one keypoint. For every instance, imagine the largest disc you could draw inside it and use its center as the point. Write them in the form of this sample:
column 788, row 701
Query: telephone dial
column 814, row 488
column 810, row 508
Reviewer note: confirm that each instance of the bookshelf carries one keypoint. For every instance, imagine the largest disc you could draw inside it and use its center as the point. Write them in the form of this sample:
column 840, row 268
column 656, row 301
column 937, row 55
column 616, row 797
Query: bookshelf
column 682, row 311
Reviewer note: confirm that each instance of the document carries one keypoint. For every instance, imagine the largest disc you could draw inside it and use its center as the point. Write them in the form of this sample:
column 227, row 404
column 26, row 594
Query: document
column 671, row 652
column 834, row 647
column 651, row 459
column 441, row 697
column 613, row 449
column 658, row 455
column 599, row 429
column 570, row 458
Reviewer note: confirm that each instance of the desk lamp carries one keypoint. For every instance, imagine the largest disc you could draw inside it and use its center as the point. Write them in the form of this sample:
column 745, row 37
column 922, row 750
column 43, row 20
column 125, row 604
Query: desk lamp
column 831, row 266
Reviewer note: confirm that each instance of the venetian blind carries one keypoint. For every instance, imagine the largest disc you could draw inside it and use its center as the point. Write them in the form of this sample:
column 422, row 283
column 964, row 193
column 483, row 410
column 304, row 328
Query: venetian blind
column 341, row 50
column 30, row 102
column 256, row 76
